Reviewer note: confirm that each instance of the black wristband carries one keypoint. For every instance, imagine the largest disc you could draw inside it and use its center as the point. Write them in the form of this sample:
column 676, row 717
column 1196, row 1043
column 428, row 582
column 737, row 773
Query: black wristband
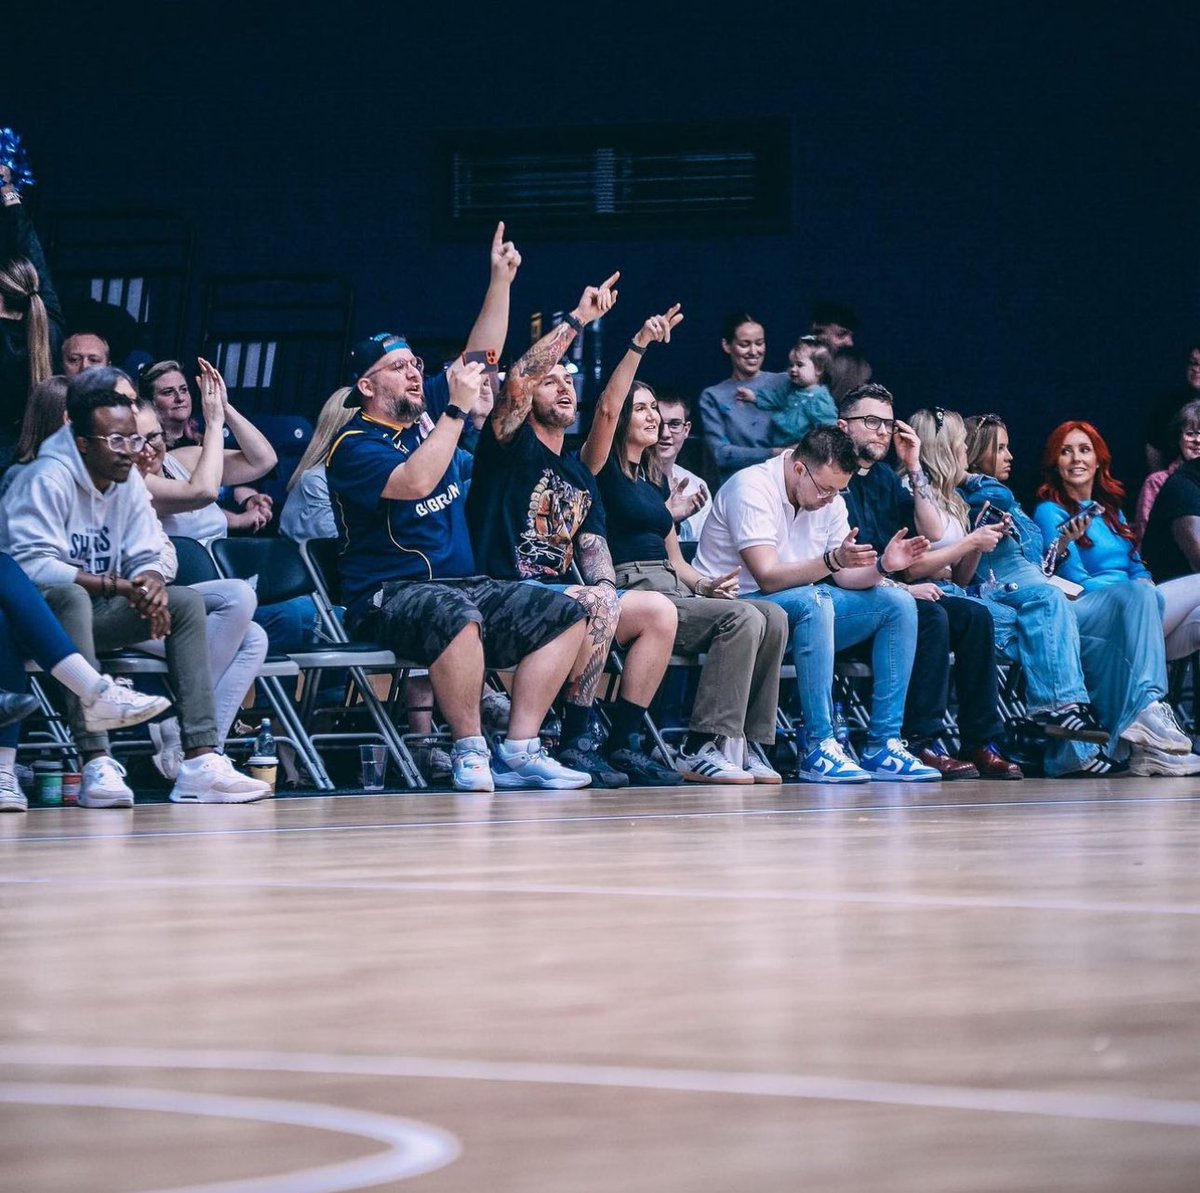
column 881, row 569
column 830, row 562
column 634, row 346
column 573, row 323
column 611, row 583
column 455, row 412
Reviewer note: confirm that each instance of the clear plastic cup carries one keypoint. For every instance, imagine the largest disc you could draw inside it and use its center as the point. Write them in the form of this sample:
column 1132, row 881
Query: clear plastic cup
column 374, row 766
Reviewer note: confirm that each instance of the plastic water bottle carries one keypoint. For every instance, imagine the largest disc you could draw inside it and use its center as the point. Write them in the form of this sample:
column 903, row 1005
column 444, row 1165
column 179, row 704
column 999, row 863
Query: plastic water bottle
column 264, row 743
column 841, row 730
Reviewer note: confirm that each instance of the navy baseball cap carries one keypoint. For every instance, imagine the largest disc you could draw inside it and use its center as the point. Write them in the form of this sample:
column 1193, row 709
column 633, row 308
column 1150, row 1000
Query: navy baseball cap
column 363, row 355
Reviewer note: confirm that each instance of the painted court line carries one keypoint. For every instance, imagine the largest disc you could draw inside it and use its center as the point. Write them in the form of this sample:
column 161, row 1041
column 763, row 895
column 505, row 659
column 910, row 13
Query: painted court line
column 1051, row 1104
column 714, row 894
column 413, row 1148
column 609, row 818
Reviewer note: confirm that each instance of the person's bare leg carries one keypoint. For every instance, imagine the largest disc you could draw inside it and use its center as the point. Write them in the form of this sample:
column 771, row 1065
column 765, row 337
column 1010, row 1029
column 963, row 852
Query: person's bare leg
column 646, row 630
column 457, row 678
column 538, row 679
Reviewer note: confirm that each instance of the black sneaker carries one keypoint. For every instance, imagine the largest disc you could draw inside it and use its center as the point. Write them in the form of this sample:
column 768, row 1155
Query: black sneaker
column 643, row 771
column 1101, row 765
column 581, row 754
column 1077, row 723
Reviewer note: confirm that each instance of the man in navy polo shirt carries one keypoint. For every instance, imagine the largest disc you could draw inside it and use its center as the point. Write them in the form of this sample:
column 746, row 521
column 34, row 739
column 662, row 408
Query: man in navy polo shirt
column 408, row 571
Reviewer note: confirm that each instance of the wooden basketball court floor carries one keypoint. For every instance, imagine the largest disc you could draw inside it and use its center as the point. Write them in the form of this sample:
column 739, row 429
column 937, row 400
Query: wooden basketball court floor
column 972, row 986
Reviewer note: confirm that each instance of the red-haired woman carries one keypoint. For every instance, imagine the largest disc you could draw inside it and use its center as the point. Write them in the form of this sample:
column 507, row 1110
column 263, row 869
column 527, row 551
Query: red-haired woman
column 1098, row 548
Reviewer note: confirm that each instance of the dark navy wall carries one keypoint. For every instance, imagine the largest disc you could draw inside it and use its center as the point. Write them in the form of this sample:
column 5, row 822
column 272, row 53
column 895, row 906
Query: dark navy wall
column 1008, row 199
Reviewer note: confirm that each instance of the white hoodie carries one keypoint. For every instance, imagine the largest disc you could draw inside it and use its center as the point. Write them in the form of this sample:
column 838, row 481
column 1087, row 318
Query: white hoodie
column 54, row 521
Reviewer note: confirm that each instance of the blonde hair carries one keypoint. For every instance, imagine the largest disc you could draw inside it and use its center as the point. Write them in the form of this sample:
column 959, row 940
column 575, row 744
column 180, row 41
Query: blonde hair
column 333, row 417
column 940, row 440
column 22, row 291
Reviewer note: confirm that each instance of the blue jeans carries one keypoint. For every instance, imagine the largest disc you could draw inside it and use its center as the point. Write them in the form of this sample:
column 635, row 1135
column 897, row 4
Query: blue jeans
column 1034, row 626
column 825, row 619
column 28, row 630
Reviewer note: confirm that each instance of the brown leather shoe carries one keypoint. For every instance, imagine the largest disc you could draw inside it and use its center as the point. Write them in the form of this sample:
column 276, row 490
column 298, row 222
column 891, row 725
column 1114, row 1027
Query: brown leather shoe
column 991, row 764
column 949, row 768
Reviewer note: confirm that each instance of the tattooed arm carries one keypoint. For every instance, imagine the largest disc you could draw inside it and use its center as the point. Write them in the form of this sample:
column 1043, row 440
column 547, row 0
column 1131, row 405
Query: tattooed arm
column 516, row 398
column 595, row 563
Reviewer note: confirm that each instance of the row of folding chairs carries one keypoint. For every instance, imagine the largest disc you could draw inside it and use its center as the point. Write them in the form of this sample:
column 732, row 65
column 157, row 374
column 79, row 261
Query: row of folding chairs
column 280, row 570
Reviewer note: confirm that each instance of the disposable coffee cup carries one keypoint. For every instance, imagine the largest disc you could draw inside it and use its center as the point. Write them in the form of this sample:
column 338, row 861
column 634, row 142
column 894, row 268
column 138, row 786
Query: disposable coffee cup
column 264, row 769
column 374, row 766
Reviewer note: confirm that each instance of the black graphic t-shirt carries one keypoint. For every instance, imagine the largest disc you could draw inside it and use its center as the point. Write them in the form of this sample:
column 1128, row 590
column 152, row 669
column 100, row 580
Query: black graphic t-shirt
column 527, row 506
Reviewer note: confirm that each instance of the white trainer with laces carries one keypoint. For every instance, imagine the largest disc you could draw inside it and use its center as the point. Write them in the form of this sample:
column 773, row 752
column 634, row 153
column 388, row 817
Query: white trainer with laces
column 534, row 769
column 117, row 705
column 1155, row 727
column 472, row 765
column 828, row 763
column 749, row 758
column 212, row 779
column 710, row 765
column 104, row 785
column 12, row 798
column 893, row 762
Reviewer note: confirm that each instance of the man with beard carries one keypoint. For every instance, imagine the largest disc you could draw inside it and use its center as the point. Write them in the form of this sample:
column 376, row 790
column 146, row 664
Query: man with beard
column 879, row 504
column 534, row 510
column 398, row 491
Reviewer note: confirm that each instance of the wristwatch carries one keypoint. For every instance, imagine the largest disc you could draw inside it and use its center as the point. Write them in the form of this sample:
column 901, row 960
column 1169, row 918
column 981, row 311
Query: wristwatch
column 455, row 412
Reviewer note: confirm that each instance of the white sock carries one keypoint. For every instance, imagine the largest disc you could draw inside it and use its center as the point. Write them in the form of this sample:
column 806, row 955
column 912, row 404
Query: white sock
column 8, row 758
column 77, row 675
column 511, row 747
column 478, row 744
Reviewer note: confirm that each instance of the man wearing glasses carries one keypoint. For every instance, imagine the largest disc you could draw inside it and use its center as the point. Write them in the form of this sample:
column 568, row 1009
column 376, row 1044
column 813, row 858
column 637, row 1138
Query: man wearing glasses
column 399, row 489
column 688, row 498
column 784, row 523
column 880, row 505
column 78, row 520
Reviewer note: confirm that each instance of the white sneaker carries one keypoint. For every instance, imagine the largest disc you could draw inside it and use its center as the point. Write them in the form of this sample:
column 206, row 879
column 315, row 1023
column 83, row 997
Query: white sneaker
column 117, row 705
column 749, row 758
column 212, row 779
column 1155, row 726
column 709, row 765
column 12, row 798
column 472, row 765
column 168, row 757
column 828, row 763
column 1146, row 760
column 104, row 785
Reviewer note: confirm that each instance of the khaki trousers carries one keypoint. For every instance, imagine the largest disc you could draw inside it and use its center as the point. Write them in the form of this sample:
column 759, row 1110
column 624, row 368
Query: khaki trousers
column 744, row 641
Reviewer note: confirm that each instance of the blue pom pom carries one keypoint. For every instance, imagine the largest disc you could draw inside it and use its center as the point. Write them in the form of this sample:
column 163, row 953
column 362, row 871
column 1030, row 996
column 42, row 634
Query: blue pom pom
column 12, row 155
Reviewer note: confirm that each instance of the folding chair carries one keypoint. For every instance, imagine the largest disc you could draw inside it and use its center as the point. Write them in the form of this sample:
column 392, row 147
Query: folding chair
column 278, row 571
column 196, row 566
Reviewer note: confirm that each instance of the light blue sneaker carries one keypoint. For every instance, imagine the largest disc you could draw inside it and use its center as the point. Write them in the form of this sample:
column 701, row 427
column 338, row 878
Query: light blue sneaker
column 894, row 763
column 471, row 765
column 827, row 763
column 535, row 769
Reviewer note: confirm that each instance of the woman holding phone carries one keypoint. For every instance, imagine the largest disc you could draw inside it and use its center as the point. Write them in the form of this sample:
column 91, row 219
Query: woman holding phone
column 1080, row 503
column 1120, row 641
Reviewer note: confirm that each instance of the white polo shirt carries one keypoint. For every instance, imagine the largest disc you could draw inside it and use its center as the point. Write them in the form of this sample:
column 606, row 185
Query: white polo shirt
column 752, row 509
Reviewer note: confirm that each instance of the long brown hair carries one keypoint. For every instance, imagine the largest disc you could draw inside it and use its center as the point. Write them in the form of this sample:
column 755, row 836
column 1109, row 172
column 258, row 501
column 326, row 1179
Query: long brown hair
column 44, row 414
column 649, row 461
column 22, row 291
column 1108, row 491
